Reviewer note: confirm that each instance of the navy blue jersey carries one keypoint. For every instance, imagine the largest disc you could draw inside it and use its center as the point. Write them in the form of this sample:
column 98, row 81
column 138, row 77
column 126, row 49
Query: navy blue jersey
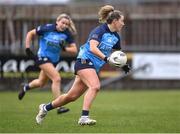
column 51, row 40
column 107, row 41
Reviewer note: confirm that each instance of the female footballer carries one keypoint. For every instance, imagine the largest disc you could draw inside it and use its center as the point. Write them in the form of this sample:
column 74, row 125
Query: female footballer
column 52, row 39
column 92, row 56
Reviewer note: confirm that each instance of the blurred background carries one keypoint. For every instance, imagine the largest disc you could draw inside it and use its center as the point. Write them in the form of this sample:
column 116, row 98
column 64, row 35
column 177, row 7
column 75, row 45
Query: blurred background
column 150, row 37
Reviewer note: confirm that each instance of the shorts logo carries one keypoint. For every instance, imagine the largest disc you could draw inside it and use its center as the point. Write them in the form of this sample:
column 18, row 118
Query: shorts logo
column 90, row 63
column 83, row 61
column 45, row 59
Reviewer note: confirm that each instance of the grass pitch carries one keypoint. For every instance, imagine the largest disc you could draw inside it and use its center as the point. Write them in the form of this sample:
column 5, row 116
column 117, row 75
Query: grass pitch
column 115, row 112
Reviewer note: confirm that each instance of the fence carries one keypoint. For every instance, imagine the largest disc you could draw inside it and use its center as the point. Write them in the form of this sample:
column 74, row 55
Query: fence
column 153, row 33
column 142, row 32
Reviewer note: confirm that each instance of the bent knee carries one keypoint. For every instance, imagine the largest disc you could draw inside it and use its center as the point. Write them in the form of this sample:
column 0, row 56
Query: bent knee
column 95, row 87
column 57, row 79
column 42, row 84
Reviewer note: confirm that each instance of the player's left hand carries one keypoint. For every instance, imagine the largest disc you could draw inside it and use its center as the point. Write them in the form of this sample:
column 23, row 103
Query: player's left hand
column 63, row 45
column 126, row 68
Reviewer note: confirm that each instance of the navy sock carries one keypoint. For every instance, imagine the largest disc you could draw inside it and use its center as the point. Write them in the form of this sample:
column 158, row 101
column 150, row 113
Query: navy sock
column 85, row 113
column 48, row 107
column 26, row 87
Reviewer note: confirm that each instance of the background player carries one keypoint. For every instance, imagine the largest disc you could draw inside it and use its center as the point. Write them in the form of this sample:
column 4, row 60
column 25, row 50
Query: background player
column 52, row 39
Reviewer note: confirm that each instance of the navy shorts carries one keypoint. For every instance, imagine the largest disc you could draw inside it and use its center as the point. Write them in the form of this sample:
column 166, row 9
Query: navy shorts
column 82, row 64
column 43, row 60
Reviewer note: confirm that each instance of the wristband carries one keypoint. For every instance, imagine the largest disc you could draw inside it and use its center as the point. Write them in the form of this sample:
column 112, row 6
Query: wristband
column 106, row 59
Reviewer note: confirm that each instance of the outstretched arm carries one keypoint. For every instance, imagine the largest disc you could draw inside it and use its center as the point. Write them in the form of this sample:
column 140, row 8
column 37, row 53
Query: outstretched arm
column 29, row 38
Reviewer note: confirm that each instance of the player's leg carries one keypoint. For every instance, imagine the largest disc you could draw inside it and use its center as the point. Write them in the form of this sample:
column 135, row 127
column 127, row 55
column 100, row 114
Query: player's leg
column 87, row 78
column 77, row 89
column 40, row 82
column 90, row 78
column 53, row 74
column 36, row 83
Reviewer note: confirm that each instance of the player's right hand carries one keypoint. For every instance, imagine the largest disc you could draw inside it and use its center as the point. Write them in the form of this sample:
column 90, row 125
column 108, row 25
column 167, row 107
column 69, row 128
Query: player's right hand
column 126, row 68
column 106, row 59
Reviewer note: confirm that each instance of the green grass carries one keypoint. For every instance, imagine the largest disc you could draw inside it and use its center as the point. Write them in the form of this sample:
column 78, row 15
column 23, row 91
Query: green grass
column 115, row 111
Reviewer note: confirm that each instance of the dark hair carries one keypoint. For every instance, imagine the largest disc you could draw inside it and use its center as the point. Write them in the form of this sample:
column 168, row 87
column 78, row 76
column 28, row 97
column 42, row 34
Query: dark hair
column 113, row 15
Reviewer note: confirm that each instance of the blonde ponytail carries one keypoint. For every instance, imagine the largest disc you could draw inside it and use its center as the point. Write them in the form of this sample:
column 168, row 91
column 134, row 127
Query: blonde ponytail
column 107, row 14
column 104, row 12
column 72, row 27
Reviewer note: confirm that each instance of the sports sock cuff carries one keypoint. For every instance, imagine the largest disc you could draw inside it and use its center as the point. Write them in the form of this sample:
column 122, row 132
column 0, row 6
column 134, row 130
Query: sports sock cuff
column 85, row 113
column 26, row 87
column 48, row 107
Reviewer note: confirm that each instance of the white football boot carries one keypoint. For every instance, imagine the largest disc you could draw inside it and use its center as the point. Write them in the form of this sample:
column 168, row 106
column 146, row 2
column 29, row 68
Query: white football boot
column 86, row 121
column 41, row 115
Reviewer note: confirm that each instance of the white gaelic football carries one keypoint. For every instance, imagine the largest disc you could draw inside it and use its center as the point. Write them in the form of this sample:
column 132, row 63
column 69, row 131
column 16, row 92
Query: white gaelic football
column 118, row 58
